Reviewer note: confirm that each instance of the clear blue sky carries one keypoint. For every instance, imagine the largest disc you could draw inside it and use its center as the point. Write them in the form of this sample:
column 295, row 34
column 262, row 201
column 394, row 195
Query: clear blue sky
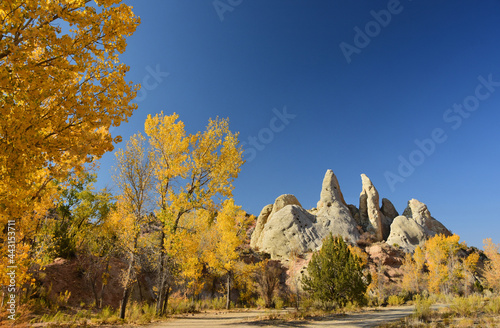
column 364, row 116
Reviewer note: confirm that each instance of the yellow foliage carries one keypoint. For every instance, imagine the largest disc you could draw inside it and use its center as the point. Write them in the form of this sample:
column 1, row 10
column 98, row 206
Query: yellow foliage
column 184, row 178
column 61, row 91
column 409, row 282
column 470, row 263
column 492, row 270
column 440, row 251
column 229, row 233
column 414, row 278
column 357, row 251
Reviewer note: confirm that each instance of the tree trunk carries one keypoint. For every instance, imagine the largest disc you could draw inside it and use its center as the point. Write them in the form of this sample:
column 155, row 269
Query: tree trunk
column 228, row 287
column 94, row 292
column 161, row 284
column 103, row 284
column 128, row 278
column 165, row 303
column 140, row 290
column 123, row 305
column 126, row 290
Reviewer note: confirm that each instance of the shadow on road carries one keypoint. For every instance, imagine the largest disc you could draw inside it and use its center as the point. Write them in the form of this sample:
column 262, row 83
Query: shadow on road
column 369, row 318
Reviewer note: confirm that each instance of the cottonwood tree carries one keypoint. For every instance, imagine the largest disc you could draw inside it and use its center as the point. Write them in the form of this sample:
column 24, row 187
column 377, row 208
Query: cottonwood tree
column 335, row 274
column 492, row 268
column 192, row 173
column 469, row 271
column 62, row 87
column 230, row 228
column 414, row 278
column 134, row 178
column 442, row 262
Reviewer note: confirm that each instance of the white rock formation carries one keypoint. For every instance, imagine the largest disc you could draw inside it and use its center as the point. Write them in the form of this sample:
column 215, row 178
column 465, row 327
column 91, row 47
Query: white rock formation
column 420, row 213
column 285, row 228
column 333, row 211
column 389, row 214
column 289, row 228
column 330, row 191
column 283, row 201
column 259, row 226
column 406, row 233
column 414, row 227
column 369, row 209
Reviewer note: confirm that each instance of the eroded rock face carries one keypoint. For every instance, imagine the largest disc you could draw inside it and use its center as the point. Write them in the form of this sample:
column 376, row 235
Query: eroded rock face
column 290, row 229
column 414, row 227
column 333, row 213
column 330, row 191
column 391, row 258
column 283, row 201
column 286, row 228
column 388, row 209
column 407, row 234
column 259, row 226
column 420, row 213
column 267, row 212
column 354, row 213
column 389, row 213
column 369, row 210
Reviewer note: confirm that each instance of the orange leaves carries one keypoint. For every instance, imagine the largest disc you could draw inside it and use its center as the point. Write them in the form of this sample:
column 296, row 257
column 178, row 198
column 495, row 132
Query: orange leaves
column 61, row 91
column 440, row 254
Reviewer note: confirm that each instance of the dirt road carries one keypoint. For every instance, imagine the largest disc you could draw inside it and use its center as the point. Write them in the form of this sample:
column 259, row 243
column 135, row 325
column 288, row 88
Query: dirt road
column 369, row 318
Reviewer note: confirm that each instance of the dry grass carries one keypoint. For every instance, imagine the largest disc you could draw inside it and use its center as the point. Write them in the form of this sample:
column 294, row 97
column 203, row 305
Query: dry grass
column 463, row 312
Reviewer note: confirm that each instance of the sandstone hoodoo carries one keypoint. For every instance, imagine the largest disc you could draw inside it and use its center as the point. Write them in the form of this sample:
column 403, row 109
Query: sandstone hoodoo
column 285, row 228
column 369, row 209
column 414, row 227
column 290, row 229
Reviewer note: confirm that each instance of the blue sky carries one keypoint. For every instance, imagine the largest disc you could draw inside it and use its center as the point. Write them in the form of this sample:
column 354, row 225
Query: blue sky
column 428, row 75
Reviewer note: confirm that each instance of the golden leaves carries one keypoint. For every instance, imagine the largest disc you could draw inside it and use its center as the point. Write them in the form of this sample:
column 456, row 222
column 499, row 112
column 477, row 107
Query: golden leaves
column 230, row 232
column 492, row 269
column 60, row 91
column 189, row 178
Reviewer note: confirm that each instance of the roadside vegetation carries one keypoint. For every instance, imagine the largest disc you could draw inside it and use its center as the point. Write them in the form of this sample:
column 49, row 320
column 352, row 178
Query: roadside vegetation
column 460, row 312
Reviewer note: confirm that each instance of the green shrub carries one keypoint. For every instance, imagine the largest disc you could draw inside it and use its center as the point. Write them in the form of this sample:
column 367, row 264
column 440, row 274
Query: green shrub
column 260, row 302
column 140, row 313
column 352, row 306
column 335, row 275
column 395, row 300
column 278, row 303
column 422, row 309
